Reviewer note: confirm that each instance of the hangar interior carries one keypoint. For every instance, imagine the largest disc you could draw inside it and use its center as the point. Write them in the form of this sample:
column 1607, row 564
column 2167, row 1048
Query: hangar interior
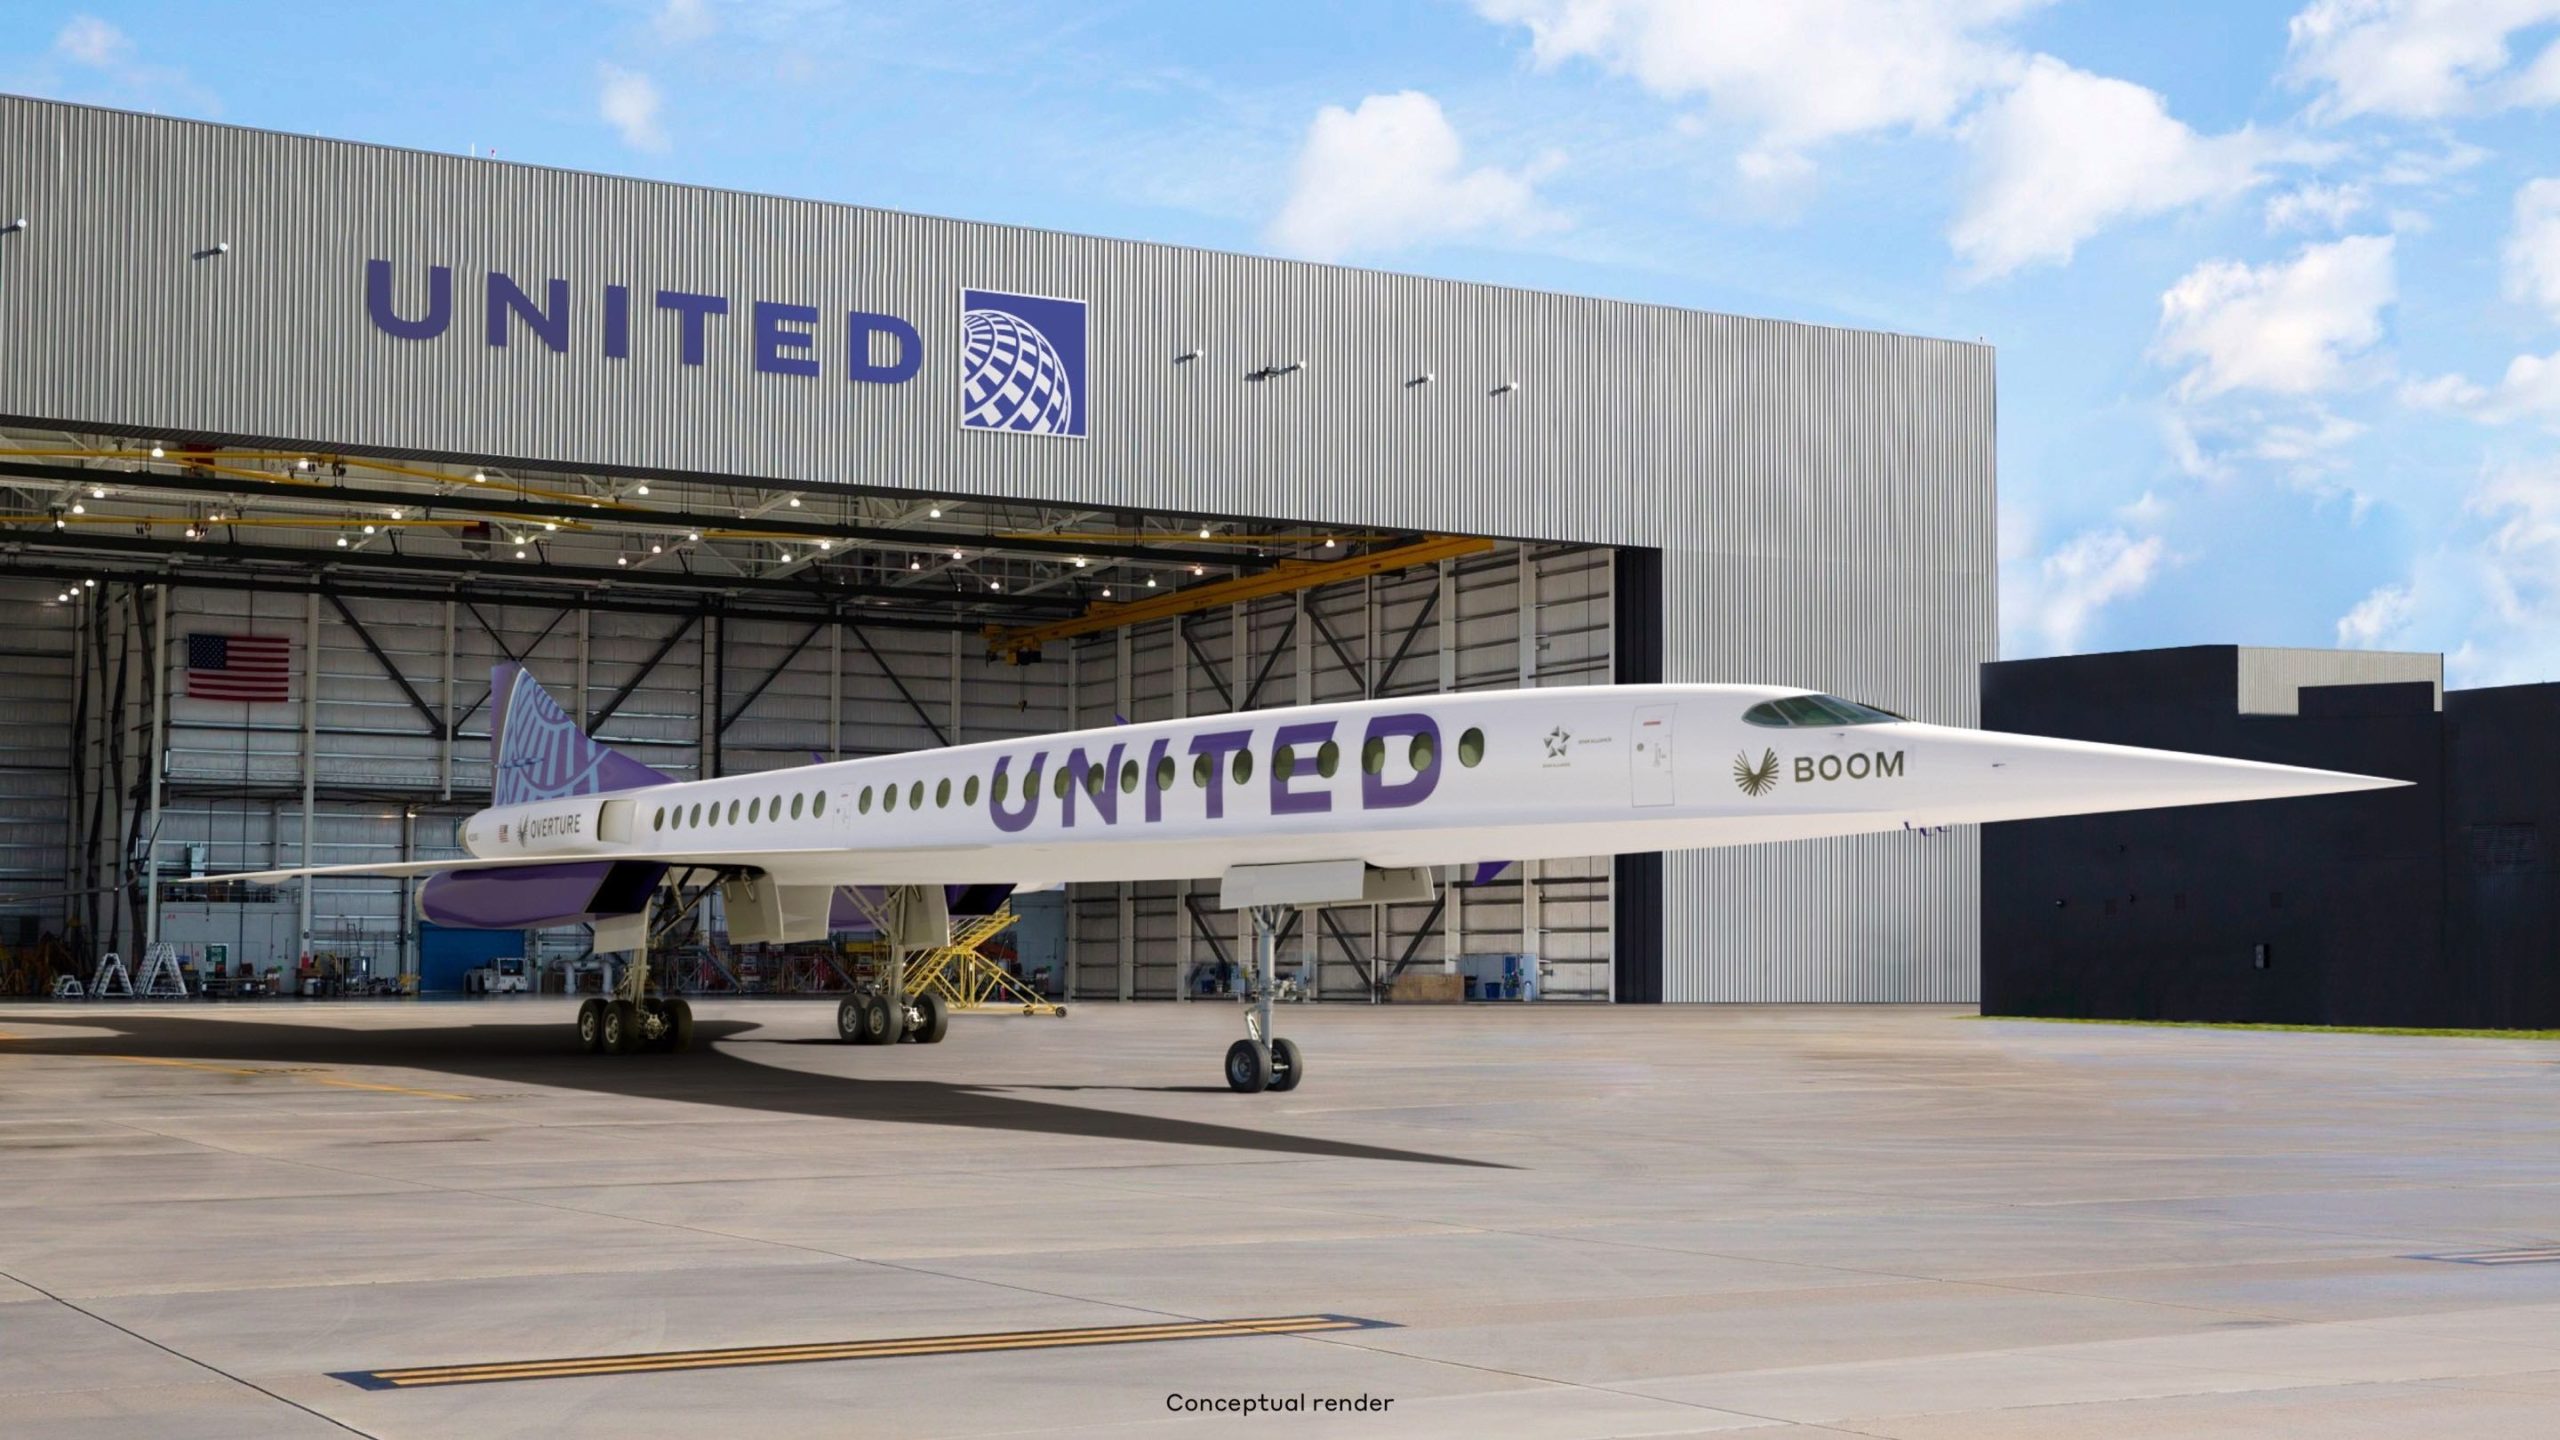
column 706, row 626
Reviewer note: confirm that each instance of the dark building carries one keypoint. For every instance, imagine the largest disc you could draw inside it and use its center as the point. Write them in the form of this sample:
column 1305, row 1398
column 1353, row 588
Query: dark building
column 2433, row 905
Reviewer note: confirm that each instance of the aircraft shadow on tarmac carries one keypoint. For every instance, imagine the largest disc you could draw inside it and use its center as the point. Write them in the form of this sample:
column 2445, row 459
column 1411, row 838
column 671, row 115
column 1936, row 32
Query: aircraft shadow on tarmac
column 543, row 1054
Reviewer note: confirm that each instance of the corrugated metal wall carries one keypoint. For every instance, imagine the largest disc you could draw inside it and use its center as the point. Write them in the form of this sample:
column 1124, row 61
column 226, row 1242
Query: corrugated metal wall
column 2272, row 677
column 1823, row 498
column 37, row 654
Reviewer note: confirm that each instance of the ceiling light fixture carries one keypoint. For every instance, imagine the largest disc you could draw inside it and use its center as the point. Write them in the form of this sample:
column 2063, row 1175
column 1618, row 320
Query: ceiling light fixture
column 795, row 502
column 157, row 452
column 479, row 478
column 641, row 490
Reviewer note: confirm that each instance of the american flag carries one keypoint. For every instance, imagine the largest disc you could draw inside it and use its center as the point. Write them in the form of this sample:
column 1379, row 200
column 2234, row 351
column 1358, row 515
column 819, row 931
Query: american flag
column 239, row 667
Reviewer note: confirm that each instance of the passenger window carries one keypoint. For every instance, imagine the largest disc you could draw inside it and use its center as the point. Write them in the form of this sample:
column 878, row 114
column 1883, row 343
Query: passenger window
column 697, row 817
column 1164, row 773
column 1373, row 756
column 819, row 805
column 773, row 808
column 969, row 792
column 1128, row 776
column 755, row 810
column 733, row 812
column 715, row 814
column 888, row 798
column 1284, row 761
column 1328, row 759
column 1095, row 777
column 796, row 802
column 863, row 804
column 1058, row 785
column 1421, row 753
column 659, row 820
column 942, row 794
column 1200, row 773
column 1004, row 785
column 915, row 795
column 1242, row 769
column 1471, row 748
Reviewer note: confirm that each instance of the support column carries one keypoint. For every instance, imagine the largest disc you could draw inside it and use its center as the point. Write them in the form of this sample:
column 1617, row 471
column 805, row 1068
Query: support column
column 835, row 688
column 1124, row 657
column 444, row 750
column 579, row 706
column 954, row 727
column 159, row 766
column 1453, row 926
column 310, row 754
column 1185, row 934
column 1529, row 869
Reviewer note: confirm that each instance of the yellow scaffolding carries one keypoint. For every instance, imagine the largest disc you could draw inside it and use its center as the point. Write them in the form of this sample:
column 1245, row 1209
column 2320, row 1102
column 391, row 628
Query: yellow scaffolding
column 968, row 980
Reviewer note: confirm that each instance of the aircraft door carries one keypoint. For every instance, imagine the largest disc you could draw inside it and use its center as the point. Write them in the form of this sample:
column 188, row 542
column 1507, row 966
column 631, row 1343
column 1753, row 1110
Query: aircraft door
column 1650, row 775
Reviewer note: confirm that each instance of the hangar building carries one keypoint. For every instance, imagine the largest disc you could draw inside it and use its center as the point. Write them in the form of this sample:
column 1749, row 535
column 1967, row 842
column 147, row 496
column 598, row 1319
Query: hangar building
column 748, row 479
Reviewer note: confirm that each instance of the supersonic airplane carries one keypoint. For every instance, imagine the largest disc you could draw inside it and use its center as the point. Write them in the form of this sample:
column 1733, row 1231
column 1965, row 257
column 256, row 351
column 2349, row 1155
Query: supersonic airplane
column 1319, row 805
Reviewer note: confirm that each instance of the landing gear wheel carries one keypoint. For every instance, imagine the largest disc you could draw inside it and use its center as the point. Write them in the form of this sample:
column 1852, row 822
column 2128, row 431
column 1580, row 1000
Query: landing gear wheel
column 875, row 1020
column 1248, row 1067
column 591, row 1026
column 1286, row 1068
column 679, row 1026
column 849, row 1020
column 933, row 1020
column 621, row 1028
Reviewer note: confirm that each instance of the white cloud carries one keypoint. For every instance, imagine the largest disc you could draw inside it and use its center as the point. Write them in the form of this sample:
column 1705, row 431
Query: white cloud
column 1392, row 173
column 2533, row 247
column 88, row 40
column 2520, row 559
column 2066, row 153
column 2529, row 390
column 2287, row 327
column 2052, row 600
column 1794, row 74
column 2315, row 206
column 681, row 21
column 2378, row 619
column 2306, row 445
column 2417, row 58
column 629, row 102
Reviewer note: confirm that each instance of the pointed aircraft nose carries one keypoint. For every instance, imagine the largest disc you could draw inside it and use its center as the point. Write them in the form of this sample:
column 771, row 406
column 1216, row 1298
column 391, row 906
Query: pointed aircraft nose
column 2037, row 775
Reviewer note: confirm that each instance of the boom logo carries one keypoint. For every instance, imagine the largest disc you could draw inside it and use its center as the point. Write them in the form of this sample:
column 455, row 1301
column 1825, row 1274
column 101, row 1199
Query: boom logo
column 1022, row 363
column 1757, row 779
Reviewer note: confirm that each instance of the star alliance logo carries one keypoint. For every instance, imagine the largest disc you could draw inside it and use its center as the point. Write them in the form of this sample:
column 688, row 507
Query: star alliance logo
column 1557, row 740
column 1757, row 779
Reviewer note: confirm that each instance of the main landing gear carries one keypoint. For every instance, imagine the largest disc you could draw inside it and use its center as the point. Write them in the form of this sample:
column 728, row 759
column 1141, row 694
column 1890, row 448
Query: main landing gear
column 638, row 1016
column 1260, row 1061
column 627, row 1027
column 873, row 1018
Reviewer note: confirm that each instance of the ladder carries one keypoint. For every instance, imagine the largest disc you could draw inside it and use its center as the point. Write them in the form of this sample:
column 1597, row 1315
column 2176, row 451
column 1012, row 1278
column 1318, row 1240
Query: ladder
column 161, row 979
column 967, row 980
column 113, row 981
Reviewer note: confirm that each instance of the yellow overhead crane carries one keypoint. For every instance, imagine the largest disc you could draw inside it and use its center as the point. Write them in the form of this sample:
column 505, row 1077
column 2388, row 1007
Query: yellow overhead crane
column 1015, row 644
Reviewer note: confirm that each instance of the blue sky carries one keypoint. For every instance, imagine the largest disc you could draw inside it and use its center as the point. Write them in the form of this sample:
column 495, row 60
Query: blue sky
column 2275, row 288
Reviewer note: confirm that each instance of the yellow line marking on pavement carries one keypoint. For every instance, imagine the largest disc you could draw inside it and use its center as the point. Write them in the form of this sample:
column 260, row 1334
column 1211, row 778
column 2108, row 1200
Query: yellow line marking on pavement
column 297, row 1072
column 907, row 1346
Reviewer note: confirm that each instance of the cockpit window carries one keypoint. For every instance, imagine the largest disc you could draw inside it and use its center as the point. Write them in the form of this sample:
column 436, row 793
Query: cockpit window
column 1816, row 712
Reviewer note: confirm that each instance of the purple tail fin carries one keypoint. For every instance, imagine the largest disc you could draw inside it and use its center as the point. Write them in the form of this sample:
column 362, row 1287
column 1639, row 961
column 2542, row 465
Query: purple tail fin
column 536, row 752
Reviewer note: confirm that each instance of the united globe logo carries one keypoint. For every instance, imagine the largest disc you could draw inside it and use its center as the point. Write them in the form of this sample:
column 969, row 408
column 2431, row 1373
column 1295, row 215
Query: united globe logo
column 1022, row 363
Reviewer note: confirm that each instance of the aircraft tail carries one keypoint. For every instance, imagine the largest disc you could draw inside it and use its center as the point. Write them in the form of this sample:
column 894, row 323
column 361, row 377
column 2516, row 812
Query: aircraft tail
column 538, row 753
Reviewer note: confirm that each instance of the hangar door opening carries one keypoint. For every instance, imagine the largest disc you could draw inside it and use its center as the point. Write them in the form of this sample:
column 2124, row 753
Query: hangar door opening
column 1512, row 615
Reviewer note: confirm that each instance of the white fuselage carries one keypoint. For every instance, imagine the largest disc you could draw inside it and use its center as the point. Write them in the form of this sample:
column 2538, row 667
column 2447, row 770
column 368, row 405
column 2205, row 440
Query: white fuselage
column 1511, row 775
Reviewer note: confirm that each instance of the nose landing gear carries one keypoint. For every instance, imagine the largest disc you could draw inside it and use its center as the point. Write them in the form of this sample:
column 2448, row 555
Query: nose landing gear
column 1261, row 1061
